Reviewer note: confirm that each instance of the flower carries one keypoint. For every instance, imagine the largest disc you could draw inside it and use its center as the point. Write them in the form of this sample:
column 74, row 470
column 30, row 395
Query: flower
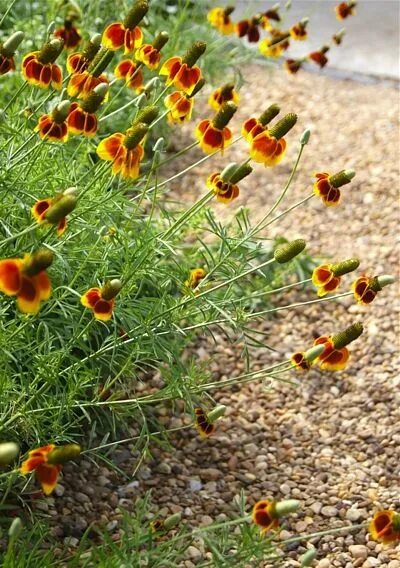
column 319, row 56
column 39, row 69
column 264, row 515
column 249, row 28
column 385, row 526
column 7, row 51
column 203, row 425
column 150, row 54
column 327, row 186
column 132, row 73
column 292, row 66
column 27, row 279
column 124, row 150
column 126, row 34
column 300, row 361
column 269, row 146
column 102, row 300
column 182, row 71
column 224, row 185
column 180, row 107
column 223, row 95
column 220, row 19
column 214, row 134
column 78, row 62
column 253, row 126
column 83, row 82
column 47, row 461
column 299, row 31
column 53, row 127
column 365, row 288
column 53, row 210
column 327, row 277
column 82, row 118
column 69, row 34
column 336, row 355
column 345, row 9
column 195, row 277
column 272, row 14
column 275, row 45
column 337, row 38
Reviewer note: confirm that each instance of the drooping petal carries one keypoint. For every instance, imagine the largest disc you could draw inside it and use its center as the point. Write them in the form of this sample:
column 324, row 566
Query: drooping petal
column 39, row 209
column 171, row 68
column 110, row 147
column 91, row 297
column 103, row 309
column 42, row 284
column 28, row 297
column 47, row 475
column 10, row 276
column 114, row 36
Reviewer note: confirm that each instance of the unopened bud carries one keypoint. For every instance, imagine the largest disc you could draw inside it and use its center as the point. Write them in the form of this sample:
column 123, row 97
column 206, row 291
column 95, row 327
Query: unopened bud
column 10, row 46
column 147, row 115
column 288, row 251
column 61, row 208
column 283, row 126
column 224, row 115
column 314, row 352
column 160, row 40
column 341, row 178
column 15, row 529
column 38, row 261
column 171, row 521
column 150, row 85
column 344, row 267
column 51, row 28
column 282, row 508
column 63, row 454
column 8, row 452
column 111, row 289
column 305, row 137
column 216, row 413
column 345, row 337
column 136, row 14
column 194, row 53
column 135, row 135
column 308, row 557
column 269, row 114
column 159, row 145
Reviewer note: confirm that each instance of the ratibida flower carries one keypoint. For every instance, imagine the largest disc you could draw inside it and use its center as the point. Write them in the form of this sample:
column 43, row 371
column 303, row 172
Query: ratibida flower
column 131, row 73
column 39, row 69
column 124, row 150
column 327, row 277
column 84, row 82
column 47, row 462
column 126, row 34
column 345, row 9
column 195, row 277
column 336, row 355
column 271, row 14
column 150, row 53
column 205, row 422
column 249, row 28
column 266, row 514
column 365, row 288
column 253, row 126
column 327, row 186
column 319, row 57
column 385, row 526
column 269, row 147
column 180, row 106
column 182, row 71
column 7, row 51
column 299, row 31
column 337, row 38
column 223, row 95
column 220, row 19
column 53, row 127
column 102, row 300
column 224, row 184
column 292, row 66
column 79, row 62
column 167, row 524
column 26, row 278
column 54, row 210
column 303, row 360
column 275, row 45
column 214, row 134
column 69, row 34
column 82, row 118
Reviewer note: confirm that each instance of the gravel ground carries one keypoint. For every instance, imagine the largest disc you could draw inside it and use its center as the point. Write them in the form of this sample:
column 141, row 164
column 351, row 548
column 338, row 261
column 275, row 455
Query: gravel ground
column 333, row 442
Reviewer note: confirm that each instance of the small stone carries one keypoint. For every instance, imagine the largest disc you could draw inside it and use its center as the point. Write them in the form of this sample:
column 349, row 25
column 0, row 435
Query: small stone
column 353, row 514
column 111, row 525
column 206, row 520
column 194, row 553
column 102, row 481
column 329, row 511
column 71, row 541
column 163, row 468
column 59, row 490
column 195, row 484
column 316, row 507
column 324, row 563
column 358, row 551
column 210, row 474
column 394, row 564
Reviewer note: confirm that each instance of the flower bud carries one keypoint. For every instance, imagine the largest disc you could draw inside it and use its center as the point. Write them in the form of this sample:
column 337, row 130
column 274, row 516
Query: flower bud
column 344, row 267
column 194, row 53
column 61, row 208
column 159, row 145
column 111, row 289
column 63, row 454
column 345, row 337
column 171, row 521
column 147, row 115
column 282, row 508
column 288, row 251
column 135, row 135
column 314, row 352
column 61, row 111
column 160, row 40
column 141, row 100
column 224, row 115
column 38, row 261
column 136, row 14
column 150, row 85
column 283, row 126
column 51, row 28
column 50, row 51
column 305, row 137
column 216, row 413
column 341, row 178
column 269, row 114
column 308, row 557
column 10, row 46
column 8, row 452
column 15, row 529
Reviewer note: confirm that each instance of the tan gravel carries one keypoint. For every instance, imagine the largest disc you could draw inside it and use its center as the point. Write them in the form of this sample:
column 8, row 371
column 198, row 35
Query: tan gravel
column 334, row 441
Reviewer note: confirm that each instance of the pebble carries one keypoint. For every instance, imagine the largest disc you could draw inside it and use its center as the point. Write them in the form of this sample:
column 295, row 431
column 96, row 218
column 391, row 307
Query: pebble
column 358, row 551
column 328, row 511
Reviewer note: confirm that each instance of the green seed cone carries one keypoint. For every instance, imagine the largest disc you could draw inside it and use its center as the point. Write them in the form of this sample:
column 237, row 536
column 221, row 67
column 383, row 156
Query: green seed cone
column 146, row 115
column 345, row 267
column 194, row 53
column 160, row 40
column 341, row 178
column 171, row 521
column 61, row 208
column 38, row 262
column 111, row 289
column 92, row 48
column 50, row 51
column 381, row 281
column 283, row 126
column 282, row 508
column 345, row 337
column 136, row 14
column 94, row 99
column 199, row 85
column 100, row 62
column 216, row 413
column 63, row 454
column 269, row 114
column 135, row 135
column 61, row 111
column 10, row 46
column 240, row 173
column 224, row 115
column 314, row 352
column 288, row 251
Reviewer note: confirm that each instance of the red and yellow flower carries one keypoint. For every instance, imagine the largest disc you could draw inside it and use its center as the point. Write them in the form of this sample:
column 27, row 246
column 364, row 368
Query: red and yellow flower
column 223, row 95
column 47, row 461
column 79, row 62
column 53, row 127
column 337, row 38
column 292, row 66
column 131, row 73
column 327, row 277
column 224, row 184
column 365, row 288
column 300, row 361
column 150, row 53
column 275, row 45
column 345, row 9
column 54, row 210
column 180, row 106
column 195, row 277
column 220, row 19
column 214, row 134
column 266, row 17
column 39, row 69
column 27, row 279
column 327, row 186
column 182, row 71
column 266, row 514
column 385, row 526
column 7, row 51
column 203, row 425
column 254, row 126
column 319, row 57
column 102, row 300
column 299, row 31
column 124, row 150
column 249, row 28
column 336, row 355
column 126, row 34
column 269, row 147
column 82, row 118
column 84, row 82
column 69, row 34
